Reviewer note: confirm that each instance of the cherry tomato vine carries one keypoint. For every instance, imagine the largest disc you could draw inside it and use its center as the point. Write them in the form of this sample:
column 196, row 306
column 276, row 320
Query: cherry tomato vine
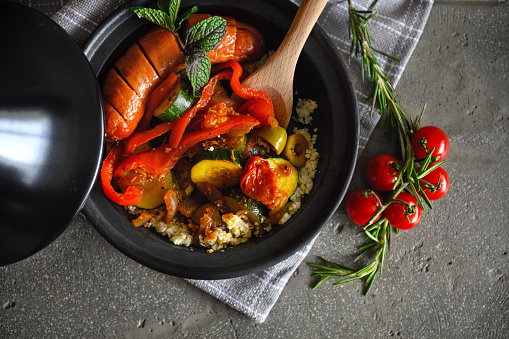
column 408, row 184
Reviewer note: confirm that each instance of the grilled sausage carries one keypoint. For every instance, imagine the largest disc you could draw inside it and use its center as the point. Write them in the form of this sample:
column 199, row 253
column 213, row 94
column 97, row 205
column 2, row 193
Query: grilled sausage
column 123, row 116
column 162, row 49
column 241, row 43
column 152, row 59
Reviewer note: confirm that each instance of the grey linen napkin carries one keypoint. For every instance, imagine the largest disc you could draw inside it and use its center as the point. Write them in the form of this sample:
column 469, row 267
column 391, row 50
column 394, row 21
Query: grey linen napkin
column 395, row 30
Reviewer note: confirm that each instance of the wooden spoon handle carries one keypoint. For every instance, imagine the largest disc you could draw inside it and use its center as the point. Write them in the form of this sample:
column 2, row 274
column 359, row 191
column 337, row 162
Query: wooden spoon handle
column 302, row 24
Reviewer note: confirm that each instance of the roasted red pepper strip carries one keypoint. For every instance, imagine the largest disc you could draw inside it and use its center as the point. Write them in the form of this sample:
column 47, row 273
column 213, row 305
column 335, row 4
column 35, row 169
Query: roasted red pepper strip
column 132, row 195
column 182, row 122
column 155, row 99
column 261, row 108
column 142, row 137
column 243, row 92
column 160, row 160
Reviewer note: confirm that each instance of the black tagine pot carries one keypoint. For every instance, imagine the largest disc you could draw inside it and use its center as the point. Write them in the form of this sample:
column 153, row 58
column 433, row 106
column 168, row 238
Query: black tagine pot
column 51, row 131
column 321, row 75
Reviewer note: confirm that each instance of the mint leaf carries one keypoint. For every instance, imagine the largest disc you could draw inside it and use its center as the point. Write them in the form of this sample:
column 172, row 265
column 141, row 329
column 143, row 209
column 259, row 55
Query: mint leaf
column 197, row 68
column 184, row 16
column 171, row 9
column 163, row 7
column 206, row 34
column 198, row 40
column 154, row 15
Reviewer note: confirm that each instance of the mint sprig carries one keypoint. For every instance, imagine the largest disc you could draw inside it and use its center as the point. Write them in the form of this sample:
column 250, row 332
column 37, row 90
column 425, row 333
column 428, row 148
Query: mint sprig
column 207, row 33
column 165, row 15
column 198, row 40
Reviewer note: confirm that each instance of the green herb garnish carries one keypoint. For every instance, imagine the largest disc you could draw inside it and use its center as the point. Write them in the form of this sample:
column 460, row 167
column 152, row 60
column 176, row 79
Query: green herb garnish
column 166, row 14
column 198, row 40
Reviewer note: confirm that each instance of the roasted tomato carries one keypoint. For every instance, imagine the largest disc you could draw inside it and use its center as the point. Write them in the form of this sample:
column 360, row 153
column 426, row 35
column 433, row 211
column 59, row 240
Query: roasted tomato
column 259, row 182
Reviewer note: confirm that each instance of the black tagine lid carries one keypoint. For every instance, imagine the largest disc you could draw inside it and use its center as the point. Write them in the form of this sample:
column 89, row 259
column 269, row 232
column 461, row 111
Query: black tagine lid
column 51, row 131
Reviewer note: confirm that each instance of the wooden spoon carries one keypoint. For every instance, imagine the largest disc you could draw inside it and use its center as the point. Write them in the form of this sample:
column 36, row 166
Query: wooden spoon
column 276, row 76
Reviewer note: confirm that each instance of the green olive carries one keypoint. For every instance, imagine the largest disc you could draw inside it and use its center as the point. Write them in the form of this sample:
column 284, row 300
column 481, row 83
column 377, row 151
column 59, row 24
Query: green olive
column 275, row 137
column 295, row 149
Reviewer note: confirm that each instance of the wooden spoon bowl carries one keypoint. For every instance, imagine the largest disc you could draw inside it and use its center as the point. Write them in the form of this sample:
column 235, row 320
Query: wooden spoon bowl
column 276, row 76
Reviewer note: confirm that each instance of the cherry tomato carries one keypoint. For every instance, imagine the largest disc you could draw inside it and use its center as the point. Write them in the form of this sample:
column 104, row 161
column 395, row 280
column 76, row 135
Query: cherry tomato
column 381, row 172
column 436, row 184
column 430, row 136
column 361, row 205
column 404, row 216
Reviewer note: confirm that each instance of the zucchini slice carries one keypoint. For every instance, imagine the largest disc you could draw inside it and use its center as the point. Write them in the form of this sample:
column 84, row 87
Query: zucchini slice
column 200, row 211
column 176, row 102
column 152, row 188
column 234, row 200
column 286, row 173
column 219, row 167
column 240, row 144
column 274, row 137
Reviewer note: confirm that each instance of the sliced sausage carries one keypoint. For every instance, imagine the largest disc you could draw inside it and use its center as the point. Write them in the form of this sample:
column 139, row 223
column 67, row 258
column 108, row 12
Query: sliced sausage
column 249, row 43
column 115, row 123
column 125, row 101
column 241, row 43
column 162, row 49
column 142, row 78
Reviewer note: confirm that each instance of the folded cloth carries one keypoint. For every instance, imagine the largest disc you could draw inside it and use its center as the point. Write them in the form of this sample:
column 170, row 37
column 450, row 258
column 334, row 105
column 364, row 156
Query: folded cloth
column 395, row 30
column 79, row 18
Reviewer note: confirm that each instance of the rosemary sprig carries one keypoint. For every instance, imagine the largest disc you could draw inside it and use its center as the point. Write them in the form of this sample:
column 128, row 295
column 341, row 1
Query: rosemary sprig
column 379, row 233
column 384, row 95
column 376, row 249
column 409, row 177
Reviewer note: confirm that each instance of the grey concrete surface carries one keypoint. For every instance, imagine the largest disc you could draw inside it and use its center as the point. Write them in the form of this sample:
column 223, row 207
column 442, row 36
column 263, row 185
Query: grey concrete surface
column 447, row 278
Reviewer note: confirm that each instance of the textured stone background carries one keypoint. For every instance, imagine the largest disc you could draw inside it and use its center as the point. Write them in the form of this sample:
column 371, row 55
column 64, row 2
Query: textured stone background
column 448, row 278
